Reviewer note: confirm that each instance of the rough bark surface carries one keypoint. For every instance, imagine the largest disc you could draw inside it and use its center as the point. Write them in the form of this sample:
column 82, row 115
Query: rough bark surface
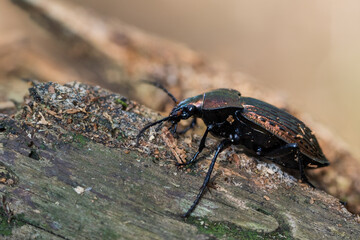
column 114, row 55
column 70, row 170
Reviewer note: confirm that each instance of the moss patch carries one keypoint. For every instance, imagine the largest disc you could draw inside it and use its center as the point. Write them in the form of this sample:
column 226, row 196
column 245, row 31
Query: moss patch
column 6, row 226
column 80, row 140
column 123, row 103
column 226, row 230
column 108, row 233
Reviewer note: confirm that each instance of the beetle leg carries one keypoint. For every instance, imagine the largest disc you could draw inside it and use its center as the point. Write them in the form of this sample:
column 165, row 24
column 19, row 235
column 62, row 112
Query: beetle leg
column 173, row 128
column 159, row 127
column 286, row 150
column 192, row 125
column 201, row 147
column 223, row 144
column 304, row 179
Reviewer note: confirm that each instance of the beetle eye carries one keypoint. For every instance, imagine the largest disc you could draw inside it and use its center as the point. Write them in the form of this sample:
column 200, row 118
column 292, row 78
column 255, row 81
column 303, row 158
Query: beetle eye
column 191, row 108
column 188, row 111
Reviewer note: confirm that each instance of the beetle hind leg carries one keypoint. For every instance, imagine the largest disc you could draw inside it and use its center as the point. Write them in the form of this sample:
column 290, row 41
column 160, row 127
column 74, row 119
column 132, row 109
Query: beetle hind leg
column 303, row 176
column 285, row 152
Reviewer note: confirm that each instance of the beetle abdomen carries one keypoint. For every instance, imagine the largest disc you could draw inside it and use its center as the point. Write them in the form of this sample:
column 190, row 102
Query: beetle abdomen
column 283, row 125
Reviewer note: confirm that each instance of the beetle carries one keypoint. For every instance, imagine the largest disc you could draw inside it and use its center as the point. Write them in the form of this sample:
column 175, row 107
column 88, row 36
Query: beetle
column 260, row 127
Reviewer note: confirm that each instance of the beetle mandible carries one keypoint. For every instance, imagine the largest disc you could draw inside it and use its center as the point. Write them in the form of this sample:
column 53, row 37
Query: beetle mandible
column 262, row 128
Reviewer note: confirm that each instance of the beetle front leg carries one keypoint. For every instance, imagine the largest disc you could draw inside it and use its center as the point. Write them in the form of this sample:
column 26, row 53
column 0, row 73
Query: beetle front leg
column 173, row 128
column 201, row 147
column 192, row 125
column 223, row 144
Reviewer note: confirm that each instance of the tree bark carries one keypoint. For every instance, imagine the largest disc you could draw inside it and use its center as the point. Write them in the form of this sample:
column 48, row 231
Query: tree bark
column 69, row 167
column 71, row 170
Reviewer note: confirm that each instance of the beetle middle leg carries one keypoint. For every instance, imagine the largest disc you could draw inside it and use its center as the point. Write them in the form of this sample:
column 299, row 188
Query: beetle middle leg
column 222, row 145
column 290, row 150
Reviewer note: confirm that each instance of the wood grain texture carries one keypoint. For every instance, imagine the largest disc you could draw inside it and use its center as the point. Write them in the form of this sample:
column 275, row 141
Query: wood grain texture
column 92, row 183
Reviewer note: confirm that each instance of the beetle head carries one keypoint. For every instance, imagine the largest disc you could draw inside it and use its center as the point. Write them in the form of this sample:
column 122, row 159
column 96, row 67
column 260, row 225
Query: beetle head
column 184, row 110
column 187, row 108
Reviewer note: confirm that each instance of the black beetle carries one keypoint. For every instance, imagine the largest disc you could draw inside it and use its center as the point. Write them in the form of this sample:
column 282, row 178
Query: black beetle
column 262, row 128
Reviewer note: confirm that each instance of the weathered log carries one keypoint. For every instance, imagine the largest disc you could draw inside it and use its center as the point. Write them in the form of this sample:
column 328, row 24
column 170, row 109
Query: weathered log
column 52, row 148
column 116, row 55
column 70, row 170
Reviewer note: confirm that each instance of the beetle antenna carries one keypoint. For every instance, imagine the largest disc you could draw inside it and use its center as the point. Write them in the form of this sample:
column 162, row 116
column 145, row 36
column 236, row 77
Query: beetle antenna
column 148, row 126
column 158, row 85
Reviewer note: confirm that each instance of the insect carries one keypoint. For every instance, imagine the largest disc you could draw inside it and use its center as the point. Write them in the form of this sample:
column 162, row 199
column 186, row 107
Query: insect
column 261, row 128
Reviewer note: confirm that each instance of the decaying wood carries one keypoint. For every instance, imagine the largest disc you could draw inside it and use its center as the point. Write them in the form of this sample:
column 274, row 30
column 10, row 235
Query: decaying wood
column 71, row 171
column 116, row 56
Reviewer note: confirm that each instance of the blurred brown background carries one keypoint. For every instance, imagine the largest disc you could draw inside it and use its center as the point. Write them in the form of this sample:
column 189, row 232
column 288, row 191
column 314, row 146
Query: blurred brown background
column 309, row 51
